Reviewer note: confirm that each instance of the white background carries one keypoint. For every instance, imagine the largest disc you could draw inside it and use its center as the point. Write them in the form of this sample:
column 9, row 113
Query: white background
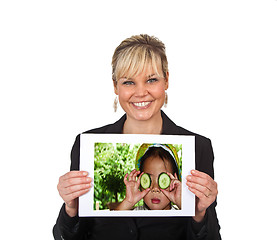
column 56, row 82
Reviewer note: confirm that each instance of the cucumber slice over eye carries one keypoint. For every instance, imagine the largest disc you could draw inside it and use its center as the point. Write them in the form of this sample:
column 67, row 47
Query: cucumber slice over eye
column 164, row 180
column 145, row 180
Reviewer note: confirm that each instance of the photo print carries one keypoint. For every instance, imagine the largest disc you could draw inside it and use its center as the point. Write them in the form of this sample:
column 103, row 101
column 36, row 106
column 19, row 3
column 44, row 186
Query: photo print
column 137, row 175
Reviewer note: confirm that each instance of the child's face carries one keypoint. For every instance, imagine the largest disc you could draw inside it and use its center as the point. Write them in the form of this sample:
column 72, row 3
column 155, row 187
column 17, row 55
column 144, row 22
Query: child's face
column 155, row 199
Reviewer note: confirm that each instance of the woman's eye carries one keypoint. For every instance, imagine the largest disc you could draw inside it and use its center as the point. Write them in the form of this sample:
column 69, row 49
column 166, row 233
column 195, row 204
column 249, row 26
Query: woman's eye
column 152, row 80
column 127, row 83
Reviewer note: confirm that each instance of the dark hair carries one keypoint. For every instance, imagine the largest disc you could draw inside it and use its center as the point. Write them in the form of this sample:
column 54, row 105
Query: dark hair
column 162, row 154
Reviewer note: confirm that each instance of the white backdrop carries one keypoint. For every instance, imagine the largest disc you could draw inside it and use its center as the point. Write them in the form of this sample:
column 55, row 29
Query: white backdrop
column 56, row 82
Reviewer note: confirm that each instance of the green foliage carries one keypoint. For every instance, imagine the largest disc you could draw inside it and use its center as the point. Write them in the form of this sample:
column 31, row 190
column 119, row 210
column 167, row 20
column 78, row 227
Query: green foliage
column 111, row 163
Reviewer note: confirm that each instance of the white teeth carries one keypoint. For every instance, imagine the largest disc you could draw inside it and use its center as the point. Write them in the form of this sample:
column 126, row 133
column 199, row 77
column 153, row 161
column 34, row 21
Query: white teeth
column 141, row 104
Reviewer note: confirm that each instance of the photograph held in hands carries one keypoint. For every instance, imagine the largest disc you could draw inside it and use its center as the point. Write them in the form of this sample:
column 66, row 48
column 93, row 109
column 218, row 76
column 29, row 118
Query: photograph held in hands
column 137, row 173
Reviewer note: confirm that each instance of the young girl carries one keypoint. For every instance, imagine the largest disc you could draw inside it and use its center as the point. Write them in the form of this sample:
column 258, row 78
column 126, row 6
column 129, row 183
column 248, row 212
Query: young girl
column 154, row 160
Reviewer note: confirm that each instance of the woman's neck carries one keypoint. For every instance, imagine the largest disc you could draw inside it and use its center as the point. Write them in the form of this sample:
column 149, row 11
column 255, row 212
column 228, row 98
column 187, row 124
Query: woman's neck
column 151, row 126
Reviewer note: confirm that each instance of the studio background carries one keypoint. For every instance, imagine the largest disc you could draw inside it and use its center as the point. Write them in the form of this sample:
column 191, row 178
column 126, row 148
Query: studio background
column 56, row 82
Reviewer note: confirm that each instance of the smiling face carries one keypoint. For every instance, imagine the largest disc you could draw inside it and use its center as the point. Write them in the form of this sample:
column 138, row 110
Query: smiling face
column 143, row 95
column 155, row 199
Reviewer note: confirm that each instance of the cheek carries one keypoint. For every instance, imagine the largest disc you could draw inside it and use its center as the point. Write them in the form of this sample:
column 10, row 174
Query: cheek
column 124, row 95
column 159, row 92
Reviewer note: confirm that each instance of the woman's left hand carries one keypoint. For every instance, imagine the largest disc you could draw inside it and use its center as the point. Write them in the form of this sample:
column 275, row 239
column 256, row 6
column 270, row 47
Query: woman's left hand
column 205, row 190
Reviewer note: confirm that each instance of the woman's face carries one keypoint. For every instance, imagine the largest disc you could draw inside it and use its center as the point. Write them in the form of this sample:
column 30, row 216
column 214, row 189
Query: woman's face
column 155, row 199
column 143, row 96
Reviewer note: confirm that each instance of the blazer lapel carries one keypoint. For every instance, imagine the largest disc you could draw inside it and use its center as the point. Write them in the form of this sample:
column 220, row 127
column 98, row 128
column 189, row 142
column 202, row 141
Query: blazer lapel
column 117, row 127
column 169, row 127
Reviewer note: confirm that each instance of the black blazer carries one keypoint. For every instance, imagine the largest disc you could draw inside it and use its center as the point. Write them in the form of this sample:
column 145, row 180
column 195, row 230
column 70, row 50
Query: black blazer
column 159, row 228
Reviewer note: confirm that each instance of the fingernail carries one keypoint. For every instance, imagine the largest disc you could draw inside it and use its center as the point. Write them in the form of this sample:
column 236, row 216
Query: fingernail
column 85, row 173
column 188, row 177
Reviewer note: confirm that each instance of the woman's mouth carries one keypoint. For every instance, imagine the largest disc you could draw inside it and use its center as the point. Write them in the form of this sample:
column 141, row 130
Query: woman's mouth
column 155, row 200
column 141, row 105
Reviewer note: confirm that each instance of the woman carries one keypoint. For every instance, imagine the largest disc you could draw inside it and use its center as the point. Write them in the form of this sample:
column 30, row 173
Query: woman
column 140, row 78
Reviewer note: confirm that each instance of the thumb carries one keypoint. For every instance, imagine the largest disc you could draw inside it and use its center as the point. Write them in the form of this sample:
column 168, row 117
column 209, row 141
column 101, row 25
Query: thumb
column 144, row 192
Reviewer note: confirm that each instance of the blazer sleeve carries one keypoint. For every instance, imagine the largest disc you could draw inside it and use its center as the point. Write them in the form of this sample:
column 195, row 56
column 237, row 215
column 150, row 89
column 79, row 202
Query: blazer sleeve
column 204, row 163
column 67, row 227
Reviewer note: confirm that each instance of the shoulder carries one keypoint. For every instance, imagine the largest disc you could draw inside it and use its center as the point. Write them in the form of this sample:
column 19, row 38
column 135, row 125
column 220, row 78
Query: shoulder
column 116, row 127
column 140, row 208
column 110, row 128
column 204, row 155
column 198, row 138
column 102, row 129
column 170, row 128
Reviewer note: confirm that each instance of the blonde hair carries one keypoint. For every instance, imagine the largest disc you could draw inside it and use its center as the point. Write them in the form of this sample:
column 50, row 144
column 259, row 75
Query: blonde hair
column 136, row 53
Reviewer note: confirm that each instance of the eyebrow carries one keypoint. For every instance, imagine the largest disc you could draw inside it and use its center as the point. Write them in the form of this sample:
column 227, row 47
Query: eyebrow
column 149, row 76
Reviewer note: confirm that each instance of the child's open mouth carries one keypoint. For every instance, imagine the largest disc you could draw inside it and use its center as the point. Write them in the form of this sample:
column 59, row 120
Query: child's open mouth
column 155, row 200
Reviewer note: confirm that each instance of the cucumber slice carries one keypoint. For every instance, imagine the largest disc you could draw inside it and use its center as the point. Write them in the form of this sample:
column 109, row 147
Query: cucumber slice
column 164, row 180
column 145, row 180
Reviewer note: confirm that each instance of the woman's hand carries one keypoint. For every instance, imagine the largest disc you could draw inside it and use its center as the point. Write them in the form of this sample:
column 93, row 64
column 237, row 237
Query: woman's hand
column 71, row 186
column 133, row 194
column 205, row 190
column 175, row 190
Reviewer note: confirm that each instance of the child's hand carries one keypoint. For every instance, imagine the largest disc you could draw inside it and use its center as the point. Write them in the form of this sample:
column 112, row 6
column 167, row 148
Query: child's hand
column 174, row 191
column 133, row 194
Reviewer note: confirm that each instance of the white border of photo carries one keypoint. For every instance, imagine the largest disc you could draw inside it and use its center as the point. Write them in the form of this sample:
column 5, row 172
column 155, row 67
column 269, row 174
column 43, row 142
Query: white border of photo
column 86, row 208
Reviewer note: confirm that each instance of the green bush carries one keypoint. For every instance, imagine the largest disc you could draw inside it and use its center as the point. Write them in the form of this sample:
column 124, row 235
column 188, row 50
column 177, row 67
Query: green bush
column 111, row 163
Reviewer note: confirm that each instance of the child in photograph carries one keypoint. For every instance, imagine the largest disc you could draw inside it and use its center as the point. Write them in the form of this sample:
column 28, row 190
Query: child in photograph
column 156, row 179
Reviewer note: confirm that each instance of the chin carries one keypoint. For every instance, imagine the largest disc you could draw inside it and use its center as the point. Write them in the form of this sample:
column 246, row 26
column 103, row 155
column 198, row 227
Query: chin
column 144, row 115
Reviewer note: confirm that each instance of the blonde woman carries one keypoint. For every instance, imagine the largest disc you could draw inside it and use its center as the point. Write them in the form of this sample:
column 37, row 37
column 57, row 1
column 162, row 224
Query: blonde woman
column 140, row 79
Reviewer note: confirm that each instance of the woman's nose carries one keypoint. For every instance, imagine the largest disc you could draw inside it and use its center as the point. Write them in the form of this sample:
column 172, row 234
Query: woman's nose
column 141, row 90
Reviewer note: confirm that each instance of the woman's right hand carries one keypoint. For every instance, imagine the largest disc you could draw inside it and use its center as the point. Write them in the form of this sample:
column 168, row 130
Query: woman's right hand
column 71, row 186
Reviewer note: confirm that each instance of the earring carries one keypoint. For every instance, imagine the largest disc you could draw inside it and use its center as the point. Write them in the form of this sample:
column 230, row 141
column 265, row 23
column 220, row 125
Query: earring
column 115, row 104
column 165, row 100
